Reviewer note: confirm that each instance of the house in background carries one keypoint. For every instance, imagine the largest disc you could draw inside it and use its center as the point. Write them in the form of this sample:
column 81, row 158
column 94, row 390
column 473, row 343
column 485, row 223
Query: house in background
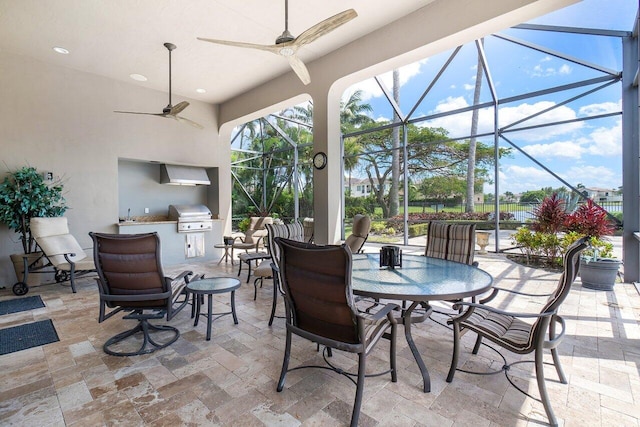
column 603, row 194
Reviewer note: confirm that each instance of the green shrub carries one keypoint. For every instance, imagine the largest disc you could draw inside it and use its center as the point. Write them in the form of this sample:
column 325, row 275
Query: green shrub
column 416, row 230
column 377, row 226
column 244, row 224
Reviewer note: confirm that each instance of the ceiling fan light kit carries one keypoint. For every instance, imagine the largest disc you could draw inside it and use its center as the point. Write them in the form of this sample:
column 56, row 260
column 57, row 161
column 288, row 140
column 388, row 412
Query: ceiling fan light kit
column 170, row 111
column 287, row 45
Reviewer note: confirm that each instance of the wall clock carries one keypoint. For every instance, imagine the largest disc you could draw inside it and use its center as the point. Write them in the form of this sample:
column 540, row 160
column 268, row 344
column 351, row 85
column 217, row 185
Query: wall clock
column 320, row 160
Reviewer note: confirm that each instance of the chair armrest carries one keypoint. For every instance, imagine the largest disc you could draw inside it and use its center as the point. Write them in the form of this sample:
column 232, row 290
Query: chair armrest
column 511, row 291
column 460, row 304
column 384, row 311
column 184, row 275
column 495, row 290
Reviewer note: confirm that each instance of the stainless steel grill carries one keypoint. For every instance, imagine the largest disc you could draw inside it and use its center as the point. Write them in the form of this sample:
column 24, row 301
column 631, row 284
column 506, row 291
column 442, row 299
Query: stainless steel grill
column 191, row 218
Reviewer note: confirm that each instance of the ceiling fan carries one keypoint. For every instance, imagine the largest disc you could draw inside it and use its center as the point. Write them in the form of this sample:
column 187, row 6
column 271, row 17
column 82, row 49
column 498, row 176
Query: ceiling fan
column 170, row 111
column 287, row 45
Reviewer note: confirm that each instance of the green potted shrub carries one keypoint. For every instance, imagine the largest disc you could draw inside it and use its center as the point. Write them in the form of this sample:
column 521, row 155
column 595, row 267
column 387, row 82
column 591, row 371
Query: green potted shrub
column 598, row 270
column 24, row 194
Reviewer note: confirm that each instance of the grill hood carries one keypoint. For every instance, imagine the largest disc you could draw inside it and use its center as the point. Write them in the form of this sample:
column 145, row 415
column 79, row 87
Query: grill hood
column 183, row 175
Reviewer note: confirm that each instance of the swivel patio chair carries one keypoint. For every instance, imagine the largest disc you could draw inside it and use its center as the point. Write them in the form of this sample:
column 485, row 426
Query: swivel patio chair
column 511, row 331
column 62, row 249
column 320, row 307
column 130, row 278
column 359, row 233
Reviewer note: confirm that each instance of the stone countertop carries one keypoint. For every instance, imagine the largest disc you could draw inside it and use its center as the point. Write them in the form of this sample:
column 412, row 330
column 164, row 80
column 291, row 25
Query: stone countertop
column 150, row 220
column 147, row 220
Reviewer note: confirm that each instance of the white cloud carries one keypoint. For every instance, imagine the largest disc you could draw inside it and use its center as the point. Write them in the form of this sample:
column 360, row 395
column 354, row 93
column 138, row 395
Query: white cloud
column 539, row 70
column 370, row 88
column 606, row 141
column 460, row 124
column 518, row 179
column 593, row 176
column 602, row 108
column 565, row 69
column 559, row 149
column 509, row 115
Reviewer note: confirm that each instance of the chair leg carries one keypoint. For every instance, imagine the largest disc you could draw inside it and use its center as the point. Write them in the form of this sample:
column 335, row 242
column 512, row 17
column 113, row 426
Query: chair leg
column 145, row 327
column 392, row 353
column 554, row 352
column 476, row 347
column 285, row 361
column 73, row 278
column 542, row 387
column 255, row 287
column 355, row 415
column 456, row 352
column 274, row 302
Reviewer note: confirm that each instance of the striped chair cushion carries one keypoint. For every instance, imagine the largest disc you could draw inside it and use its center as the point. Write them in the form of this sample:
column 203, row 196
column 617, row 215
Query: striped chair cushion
column 508, row 331
column 462, row 243
column 437, row 237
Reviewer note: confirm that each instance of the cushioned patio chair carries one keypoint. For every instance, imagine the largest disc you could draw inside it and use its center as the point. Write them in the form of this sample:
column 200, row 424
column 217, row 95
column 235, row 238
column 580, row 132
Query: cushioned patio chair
column 320, row 307
column 521, row 333
column 359, row 233
column 266, row 270
column 62, row 250
column 453, row 242
column 254, row 237
column 130, row 278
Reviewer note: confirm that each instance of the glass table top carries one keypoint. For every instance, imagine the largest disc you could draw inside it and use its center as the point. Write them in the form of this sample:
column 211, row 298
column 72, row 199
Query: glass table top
column 419, row 279
column 214, row 285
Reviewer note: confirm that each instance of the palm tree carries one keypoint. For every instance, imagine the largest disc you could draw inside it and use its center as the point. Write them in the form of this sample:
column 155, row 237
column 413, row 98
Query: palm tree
column 353, row 112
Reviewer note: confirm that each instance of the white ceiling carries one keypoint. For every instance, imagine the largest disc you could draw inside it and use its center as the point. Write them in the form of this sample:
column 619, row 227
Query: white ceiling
column 115, row 38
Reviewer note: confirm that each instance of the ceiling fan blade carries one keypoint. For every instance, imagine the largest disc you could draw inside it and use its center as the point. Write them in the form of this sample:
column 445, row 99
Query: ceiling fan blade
column 268, row 48
column 190, row 122
column 176, row 109
column 325, row 27
column 300, row 69
column 146, row 114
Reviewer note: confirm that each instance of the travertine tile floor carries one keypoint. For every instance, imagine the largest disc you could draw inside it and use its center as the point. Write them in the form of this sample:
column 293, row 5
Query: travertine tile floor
column 231, row 380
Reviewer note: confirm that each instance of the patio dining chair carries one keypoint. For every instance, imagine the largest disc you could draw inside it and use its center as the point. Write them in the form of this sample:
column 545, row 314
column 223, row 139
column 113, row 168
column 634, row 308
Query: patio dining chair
column 453, row 242
column 513, row 330
column 320, row 307
column 267, row 268
column 359, row 233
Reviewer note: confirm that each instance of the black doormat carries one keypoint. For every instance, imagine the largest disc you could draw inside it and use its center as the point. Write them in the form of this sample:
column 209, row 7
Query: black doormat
column 20, row 304
column 26, row 336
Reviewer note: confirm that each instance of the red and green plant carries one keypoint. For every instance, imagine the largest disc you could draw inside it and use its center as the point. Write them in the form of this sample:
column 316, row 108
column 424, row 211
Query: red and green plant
column 553, row 230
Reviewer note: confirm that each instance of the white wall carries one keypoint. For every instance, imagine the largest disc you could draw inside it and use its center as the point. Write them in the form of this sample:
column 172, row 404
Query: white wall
column 61, row 120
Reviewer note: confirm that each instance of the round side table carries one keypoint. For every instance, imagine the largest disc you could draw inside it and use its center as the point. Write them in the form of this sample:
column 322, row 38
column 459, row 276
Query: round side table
column 209, row 287
column 227, row 252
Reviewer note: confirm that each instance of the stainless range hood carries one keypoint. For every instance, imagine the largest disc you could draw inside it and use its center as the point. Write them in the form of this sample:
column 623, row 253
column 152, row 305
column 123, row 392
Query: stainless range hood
column 183, row 175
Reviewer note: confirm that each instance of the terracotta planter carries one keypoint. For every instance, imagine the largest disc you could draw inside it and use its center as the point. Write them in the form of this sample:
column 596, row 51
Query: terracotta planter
column 600, row 274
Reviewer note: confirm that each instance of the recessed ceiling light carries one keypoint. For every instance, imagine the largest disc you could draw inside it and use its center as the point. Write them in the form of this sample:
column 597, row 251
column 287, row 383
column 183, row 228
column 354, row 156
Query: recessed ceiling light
column 61, row 50
column 201, row 90
column 138, row 77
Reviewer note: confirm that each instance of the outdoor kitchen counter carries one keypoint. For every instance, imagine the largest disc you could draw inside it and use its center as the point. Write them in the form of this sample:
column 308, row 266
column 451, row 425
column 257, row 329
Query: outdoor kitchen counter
column 172, row 243
column 147, row 219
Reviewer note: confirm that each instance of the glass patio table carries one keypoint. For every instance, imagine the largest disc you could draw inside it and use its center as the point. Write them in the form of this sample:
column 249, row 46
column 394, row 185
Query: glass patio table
column 420, row 279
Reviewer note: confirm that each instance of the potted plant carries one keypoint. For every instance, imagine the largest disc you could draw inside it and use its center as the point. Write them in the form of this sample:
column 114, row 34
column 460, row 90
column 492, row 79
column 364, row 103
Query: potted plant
column 24, row 194
column 598, row 270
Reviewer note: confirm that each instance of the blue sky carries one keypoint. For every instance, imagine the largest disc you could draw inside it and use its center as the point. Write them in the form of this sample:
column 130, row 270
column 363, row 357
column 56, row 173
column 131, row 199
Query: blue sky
column 587, row 152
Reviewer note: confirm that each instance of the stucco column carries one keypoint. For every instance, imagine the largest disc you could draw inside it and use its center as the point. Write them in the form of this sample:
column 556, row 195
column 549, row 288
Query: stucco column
column 327, row 182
